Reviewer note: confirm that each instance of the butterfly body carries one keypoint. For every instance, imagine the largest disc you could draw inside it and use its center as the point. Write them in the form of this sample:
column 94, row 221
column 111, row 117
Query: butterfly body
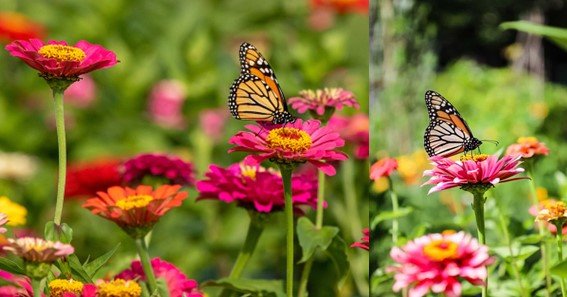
column 256, row 95
column 447, row 133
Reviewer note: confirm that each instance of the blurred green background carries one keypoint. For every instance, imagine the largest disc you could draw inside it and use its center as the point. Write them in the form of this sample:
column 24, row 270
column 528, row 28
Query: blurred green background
column 196, row 43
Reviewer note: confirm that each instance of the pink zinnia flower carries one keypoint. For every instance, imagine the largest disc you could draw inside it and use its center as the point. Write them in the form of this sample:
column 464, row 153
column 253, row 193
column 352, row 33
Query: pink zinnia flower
column 319, row 101
column 3, row 221
column 528, row 147
column 38, row 250
column 56, row 59
column 354, row 130
column 212, row 122
column 256, row 188
column 383, row 168
column 166, row 103
column 438, row 262
column 177, row 283
column 161, row 166
column 482, row 171
column 364, row 243
column 82, row 93
column 22, row 285
column 298, row 142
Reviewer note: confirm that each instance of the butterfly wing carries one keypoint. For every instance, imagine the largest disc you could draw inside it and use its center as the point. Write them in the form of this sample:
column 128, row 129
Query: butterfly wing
column 256, row 94
column 448, row 133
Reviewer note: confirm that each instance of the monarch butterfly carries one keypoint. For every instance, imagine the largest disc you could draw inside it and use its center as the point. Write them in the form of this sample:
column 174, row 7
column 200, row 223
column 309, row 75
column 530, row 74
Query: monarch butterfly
column 447, row 134
column 256, row 95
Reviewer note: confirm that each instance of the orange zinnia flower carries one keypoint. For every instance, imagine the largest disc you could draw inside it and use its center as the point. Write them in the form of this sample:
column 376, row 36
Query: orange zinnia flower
column 136, row 210
column 14, row 26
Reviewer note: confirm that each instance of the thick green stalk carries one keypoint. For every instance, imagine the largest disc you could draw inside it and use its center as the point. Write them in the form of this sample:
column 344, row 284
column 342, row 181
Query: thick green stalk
column 544, row 248
column 146, row 264
column 36, row 286
column 286, row 178
column 559, row 237
column 478, row 207
column 60, row 124
column 255, row 229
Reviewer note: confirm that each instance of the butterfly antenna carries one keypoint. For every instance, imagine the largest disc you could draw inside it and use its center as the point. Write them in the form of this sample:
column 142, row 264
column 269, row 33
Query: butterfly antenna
column 495, row 142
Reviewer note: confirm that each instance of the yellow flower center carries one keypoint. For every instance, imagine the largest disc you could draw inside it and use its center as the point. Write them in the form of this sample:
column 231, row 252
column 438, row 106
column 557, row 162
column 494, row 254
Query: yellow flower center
column 62, row 53
column 289, row 139
column 557, row 210
column 137, row 201
column 439, row 250
column 59, row 286
column 527, row 140
column 16, row 213
column 476, row 158
column 119, row 288
column 248, row 171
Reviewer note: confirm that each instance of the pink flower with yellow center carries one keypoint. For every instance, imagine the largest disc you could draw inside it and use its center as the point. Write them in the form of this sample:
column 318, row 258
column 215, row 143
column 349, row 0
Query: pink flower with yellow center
column 364, row 243
column 480, row 171
column 136, row 210
column 113, row 288
column 256, row 188
column 319, row 101
column 58, row 60
column 528, row 147
column 438, row 262
column 292, row 143
column 38, row 250
column 14, row 26
column 177, row 282
column 65, row 287
column 383, row 168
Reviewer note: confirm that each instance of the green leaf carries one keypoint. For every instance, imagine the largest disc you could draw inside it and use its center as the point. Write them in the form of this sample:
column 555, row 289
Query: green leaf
column 560, row 269
column 49, row 231
column 337, row 253
column 529, row 239
column 556, row 35
column 519, row 254
column 93, row 267
column 310, row 238
column 390, row 215
column 66, row 233
column 63, row 233
column 251, row 287
column 12, row 266
column 77, row 268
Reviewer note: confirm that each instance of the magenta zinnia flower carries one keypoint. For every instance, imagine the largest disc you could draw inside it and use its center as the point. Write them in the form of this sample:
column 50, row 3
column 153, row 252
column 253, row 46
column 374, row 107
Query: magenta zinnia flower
column 256, row 188
column 298, row 142
column 482, row 171
column 56, row 59
column 169, row 168
column 438, row 262
column 364, row 243
column 166, row 104
column 354, row 130
column 319, row 101
column 177, row 283
column 15, row 285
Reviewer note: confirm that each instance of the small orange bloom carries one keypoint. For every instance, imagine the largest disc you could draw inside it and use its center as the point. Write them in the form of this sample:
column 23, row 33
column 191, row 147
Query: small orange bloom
column 14, row 26
column 136, row 210
column 342, row 6
column 553, row 211
column 383, row 168
column 528, row 147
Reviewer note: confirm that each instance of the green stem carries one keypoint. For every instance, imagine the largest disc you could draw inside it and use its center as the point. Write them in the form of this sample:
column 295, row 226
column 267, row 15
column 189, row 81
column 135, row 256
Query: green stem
column 60, row 124
column 395, row 205
column 478, row 207
column 302, row 291
column 559, row 237
column 146, row 264
column 544, row 248
column 255, row 229
column 515, row 269
column 36, row 286
column 286, row 178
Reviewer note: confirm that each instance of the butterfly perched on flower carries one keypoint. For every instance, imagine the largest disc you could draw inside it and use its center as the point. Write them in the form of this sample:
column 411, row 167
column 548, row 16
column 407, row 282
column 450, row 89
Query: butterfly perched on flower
column 447, row 134
column 256, row 95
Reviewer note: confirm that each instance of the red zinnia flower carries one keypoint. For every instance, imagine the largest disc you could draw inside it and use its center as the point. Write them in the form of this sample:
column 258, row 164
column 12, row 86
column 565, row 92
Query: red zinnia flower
column 171, row 168
column 482, row 170
column 56, row 59
column 383, row 168
column 342, row 6
column 14, row 26
column 256, row 188
column 298, row 142
column 364, row 243
column 178, row 284
column 86, row 179
column 136, row 210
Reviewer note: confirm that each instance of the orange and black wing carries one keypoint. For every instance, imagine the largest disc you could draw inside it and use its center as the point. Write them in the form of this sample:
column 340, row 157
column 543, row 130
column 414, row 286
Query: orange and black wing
column 258, row 89
column 447, row 134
